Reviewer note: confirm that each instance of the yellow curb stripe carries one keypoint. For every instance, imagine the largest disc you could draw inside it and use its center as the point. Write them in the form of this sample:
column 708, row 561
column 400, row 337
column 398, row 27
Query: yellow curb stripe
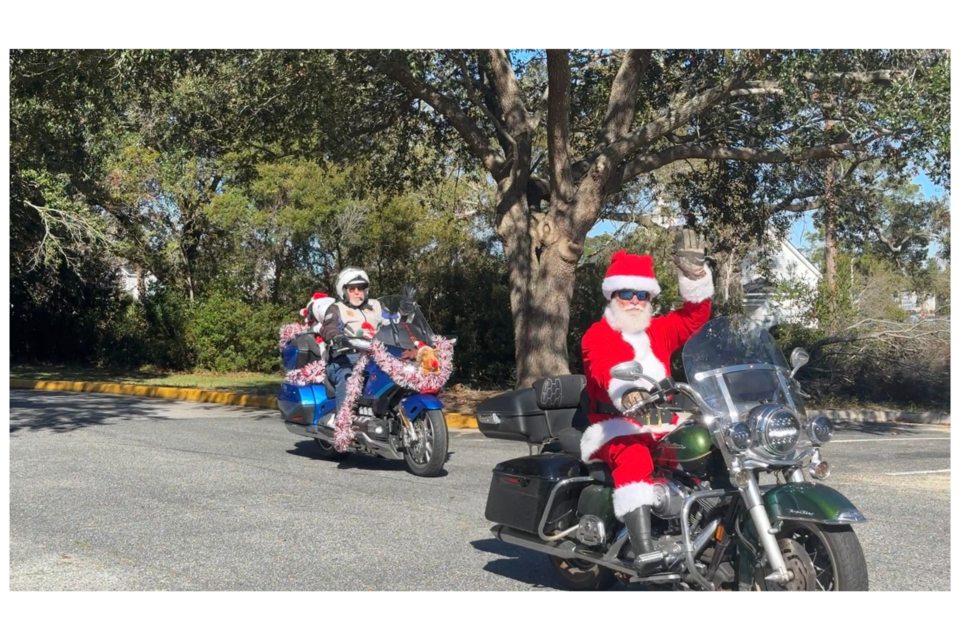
column 456, row 420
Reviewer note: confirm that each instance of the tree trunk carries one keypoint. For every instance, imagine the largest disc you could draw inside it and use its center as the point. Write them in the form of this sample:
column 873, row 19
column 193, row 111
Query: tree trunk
column 542, row 277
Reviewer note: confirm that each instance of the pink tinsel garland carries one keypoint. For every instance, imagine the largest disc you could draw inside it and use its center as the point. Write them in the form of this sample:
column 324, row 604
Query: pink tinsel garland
column 407, row 374
column 400, row 371
column 290, row 331
column 343, row 436
column 312, row 373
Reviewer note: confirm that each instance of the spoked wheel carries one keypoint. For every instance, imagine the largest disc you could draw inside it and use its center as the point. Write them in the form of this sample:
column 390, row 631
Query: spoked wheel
column 427, row 452
column 580, row 575
column 327, row 451
column 821, row 558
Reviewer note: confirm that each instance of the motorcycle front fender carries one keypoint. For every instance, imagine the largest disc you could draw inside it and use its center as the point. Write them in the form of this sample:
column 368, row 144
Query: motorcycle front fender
column 810, row 502
column 413, row 405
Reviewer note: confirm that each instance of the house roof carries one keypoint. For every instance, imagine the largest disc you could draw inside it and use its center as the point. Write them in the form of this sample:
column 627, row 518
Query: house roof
column 802, row 259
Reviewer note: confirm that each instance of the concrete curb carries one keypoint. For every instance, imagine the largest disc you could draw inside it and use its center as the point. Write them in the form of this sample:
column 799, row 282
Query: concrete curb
column 929, row 417
column 454, row 419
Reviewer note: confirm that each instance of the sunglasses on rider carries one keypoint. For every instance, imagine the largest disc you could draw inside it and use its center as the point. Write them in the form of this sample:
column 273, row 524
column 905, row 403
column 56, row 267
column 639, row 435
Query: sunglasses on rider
column 356, row 287
column 627, row 295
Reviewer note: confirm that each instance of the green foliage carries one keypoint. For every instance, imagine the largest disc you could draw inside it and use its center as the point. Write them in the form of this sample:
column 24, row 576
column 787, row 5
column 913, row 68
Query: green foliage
column 229, row 335
column 244, row 180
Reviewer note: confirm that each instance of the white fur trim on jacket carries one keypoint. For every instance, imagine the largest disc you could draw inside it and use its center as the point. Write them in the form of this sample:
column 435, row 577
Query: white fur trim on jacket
column 636, row 283
column 632, row 496
column 696, row 290
column 603, row 432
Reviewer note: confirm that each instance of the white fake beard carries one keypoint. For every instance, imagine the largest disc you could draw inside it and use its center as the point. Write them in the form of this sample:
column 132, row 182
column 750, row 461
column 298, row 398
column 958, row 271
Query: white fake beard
column 629, row 321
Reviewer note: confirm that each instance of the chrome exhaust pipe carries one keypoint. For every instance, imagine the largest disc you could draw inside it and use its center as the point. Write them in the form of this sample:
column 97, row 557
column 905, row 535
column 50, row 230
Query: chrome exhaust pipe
column 379, row 448
column 565, row 549
column 362, row 440
column 322, row 432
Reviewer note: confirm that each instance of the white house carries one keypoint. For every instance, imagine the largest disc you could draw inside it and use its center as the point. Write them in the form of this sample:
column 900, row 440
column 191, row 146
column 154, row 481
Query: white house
column 130, row 280
column 785, row 263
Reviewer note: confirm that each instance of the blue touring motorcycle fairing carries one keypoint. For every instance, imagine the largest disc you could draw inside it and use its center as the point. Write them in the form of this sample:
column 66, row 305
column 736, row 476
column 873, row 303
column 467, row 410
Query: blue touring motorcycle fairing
column 390, row 421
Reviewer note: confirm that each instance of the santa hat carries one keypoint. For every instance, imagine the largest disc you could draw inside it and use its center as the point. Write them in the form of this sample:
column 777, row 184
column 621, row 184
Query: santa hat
column 630, row 271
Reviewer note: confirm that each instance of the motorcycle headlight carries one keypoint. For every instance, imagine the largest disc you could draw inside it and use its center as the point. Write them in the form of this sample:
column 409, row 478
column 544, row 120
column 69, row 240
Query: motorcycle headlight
column 820, row 430
column 777, row 428
column 738, row 436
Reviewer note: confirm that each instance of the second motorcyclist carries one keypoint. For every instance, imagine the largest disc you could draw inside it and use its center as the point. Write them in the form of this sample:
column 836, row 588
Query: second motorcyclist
column 354, row 315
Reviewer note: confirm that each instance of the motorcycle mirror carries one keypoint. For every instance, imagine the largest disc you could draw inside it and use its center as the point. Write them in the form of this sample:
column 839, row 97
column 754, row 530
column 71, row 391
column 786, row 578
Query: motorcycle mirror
column 798, row 358
column 627, row 371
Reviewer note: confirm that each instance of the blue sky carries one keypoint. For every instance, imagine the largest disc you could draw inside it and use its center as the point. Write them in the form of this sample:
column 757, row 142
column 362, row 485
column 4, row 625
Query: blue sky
column 805, row 223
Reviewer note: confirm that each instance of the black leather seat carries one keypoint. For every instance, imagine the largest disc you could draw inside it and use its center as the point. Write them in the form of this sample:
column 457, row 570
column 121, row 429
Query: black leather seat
column 570, row 440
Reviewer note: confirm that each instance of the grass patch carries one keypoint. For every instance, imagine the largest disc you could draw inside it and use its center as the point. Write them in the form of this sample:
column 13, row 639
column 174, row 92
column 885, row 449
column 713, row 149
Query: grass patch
column 461, row 397
column 251, row 383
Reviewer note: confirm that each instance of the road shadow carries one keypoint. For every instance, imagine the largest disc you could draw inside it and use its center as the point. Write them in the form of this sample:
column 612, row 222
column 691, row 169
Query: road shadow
column 64, row 411
column 517, row 563
column 880, row 428
column 310, row 449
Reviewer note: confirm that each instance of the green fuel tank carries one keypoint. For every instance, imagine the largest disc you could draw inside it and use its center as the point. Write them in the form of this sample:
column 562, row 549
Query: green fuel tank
column 688, row 448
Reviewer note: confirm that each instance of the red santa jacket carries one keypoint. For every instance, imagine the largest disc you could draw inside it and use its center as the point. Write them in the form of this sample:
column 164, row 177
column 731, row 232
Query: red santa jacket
column 604, row 347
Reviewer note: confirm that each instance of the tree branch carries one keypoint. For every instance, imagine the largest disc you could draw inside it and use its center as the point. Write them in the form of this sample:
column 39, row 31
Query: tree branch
column 475, row 98
column 880, row 76
column 508, row 93
column 623, row 95
column 656, row 129
column 647, row 163
column 474, row 137
column 558, row 124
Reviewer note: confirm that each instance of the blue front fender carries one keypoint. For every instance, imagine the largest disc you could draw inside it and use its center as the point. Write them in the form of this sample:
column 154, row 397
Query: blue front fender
column 413, row 405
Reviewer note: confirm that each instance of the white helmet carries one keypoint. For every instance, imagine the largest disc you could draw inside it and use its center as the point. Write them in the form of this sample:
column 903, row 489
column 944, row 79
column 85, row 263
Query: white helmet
column 350, row 275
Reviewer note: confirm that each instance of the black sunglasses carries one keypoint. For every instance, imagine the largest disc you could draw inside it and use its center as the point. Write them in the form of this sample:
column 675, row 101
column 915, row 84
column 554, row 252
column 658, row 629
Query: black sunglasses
column 626, row 294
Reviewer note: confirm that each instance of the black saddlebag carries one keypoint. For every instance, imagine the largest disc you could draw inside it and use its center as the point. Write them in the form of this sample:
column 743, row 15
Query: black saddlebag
column 521, row 487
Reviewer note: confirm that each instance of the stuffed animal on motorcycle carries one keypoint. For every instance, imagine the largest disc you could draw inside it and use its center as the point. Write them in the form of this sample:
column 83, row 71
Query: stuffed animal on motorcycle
column 427, row 360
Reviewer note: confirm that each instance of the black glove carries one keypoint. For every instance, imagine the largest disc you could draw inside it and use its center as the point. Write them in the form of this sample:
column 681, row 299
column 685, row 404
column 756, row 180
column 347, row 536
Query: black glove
column 408, row 300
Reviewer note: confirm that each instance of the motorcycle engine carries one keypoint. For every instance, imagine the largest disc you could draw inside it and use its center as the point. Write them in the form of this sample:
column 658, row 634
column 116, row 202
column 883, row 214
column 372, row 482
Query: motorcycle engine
column 668, row 498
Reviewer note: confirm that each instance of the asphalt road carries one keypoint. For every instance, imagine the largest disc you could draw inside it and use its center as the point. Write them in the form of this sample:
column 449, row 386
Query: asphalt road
column 121, row 493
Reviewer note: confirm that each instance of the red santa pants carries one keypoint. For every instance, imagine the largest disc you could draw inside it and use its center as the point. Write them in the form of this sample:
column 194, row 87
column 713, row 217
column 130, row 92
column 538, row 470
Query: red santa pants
column 624, row 445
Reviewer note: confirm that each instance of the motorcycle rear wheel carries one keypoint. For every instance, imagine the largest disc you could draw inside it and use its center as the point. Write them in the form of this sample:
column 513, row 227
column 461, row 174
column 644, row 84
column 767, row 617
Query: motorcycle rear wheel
column 834, row 553
column 327, row 452
column 427, row 457
column 580, row 575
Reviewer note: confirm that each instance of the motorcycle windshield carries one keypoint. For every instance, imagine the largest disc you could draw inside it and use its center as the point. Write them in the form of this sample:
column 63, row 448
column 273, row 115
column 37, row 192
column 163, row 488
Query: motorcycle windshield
column 398, row 329
column 736, row 365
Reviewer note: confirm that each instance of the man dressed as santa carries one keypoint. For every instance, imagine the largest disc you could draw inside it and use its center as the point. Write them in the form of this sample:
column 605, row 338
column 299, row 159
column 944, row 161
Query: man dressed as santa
column 628, row 331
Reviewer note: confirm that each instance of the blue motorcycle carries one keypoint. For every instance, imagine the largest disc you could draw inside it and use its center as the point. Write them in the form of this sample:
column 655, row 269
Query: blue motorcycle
column 390, row 420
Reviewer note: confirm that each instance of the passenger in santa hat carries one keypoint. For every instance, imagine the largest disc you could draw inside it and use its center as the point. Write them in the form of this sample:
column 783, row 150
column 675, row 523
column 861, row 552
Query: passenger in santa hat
column 629, row 331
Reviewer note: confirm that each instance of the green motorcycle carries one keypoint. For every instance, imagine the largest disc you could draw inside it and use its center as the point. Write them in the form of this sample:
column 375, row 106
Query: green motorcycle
column 734, row 508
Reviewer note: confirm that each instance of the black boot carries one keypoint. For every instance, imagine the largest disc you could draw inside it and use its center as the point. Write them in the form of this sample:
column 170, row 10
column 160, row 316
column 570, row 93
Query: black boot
column 640, row 531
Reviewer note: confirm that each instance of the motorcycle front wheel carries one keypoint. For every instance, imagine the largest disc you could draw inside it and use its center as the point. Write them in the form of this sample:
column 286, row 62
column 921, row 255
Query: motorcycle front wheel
column 823, row 558
column 426, row 456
